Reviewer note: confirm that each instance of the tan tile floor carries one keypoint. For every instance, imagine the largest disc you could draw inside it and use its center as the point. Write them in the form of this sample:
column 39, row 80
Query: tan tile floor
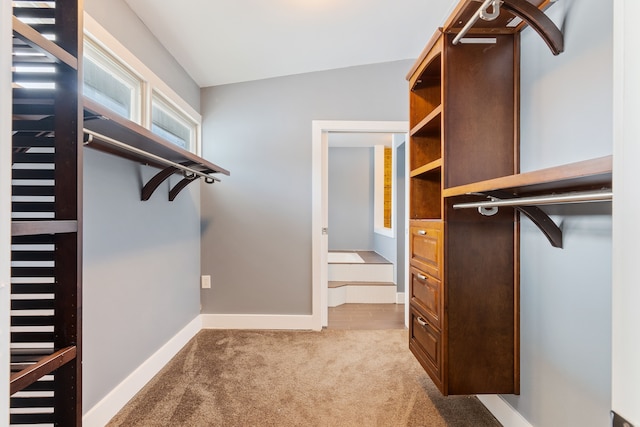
column 366, row 316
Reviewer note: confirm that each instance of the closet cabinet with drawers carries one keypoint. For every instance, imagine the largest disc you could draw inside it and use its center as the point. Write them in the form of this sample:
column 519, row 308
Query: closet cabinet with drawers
column 464, row 301
column 464, row 163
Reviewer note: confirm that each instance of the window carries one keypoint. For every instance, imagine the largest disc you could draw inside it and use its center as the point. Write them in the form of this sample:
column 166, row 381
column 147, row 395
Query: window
column 109, row 83
column 169, row 123
column 115, row 78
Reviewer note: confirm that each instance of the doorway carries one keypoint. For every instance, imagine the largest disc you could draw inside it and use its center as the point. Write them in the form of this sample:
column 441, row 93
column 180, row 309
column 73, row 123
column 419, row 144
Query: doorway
column 321, row 131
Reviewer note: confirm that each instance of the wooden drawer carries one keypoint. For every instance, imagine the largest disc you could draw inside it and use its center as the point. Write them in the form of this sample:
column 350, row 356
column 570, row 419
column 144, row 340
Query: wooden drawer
column 426, row 293
column 426, row 247
column 425, row 343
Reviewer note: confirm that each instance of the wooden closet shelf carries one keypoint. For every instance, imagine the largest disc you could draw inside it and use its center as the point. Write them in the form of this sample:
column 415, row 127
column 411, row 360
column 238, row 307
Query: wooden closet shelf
column 40, row 43
column 588, row 174
column 431, row 167
column 37, row 227
column 430, row 124
column 119, row 136
column 44, row 366
column 102, row 120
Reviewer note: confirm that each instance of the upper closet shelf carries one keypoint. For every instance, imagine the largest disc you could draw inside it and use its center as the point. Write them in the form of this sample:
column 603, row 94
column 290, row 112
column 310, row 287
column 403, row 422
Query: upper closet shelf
column 504, row 16
column 111, row 133
column 580, row 182
column 593, row 174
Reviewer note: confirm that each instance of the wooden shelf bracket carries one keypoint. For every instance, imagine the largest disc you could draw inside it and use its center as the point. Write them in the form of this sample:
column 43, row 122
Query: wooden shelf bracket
column 524, row 10
column 526, row 206
column 190, row 174
column 540, row 22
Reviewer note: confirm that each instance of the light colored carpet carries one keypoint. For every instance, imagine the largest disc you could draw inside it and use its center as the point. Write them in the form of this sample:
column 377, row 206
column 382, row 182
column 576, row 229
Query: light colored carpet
column 295, row 378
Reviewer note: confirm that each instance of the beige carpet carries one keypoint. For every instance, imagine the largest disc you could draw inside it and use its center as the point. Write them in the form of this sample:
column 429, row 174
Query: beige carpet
column 287, row 378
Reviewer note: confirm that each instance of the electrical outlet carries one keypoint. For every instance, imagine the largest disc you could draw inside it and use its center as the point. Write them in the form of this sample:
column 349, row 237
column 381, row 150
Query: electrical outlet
column 205, row 282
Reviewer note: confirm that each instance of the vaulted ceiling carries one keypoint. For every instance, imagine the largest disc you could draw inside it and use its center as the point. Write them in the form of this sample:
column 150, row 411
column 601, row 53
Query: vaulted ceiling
column 228, row 41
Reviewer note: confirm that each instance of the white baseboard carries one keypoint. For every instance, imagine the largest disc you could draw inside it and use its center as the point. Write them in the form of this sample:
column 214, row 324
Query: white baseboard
column 504, row 413
column 259, row 321
column 400, row 298
column 108, row 407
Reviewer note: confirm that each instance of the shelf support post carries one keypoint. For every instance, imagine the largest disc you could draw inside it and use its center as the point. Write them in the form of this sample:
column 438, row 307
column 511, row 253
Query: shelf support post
column 551, row 231
column 539, row 22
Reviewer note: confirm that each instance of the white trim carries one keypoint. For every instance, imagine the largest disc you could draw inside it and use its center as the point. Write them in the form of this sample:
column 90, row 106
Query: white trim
column 625, row 293
column 319, row 215
column 504, row 413
column 400, row 298
column 407, row 204
column 259, row 321
column 113, row 402
column 5, row 203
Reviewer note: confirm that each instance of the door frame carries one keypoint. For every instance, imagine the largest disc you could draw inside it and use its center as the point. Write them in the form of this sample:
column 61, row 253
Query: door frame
column 319, row 201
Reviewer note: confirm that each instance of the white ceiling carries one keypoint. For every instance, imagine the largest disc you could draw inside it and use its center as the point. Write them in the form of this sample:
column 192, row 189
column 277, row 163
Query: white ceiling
column 228, row 41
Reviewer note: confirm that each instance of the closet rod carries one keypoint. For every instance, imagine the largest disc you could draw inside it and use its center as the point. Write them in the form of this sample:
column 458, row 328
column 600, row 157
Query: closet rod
column 553, row 199
column 208, row 178
column 482, row 10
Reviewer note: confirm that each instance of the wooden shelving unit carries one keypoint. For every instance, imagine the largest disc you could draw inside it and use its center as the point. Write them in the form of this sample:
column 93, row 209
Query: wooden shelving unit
column 46, row 334
column 464, row 148
column 465, row 338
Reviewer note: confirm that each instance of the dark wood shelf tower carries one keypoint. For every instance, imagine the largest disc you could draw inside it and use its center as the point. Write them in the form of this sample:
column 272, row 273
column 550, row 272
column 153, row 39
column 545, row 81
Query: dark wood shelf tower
column 46, row 302
column 464, row 148
column 463, row 292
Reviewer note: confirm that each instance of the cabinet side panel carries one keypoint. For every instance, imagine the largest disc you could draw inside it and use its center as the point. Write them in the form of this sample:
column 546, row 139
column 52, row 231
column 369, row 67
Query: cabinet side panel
column 479, row 102
column 481, row 299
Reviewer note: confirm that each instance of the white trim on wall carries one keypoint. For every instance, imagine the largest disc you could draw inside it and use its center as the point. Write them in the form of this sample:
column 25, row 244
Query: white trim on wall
column 319, row 204
column 504, row 413
column 5, row 203
column 258, row 321
column 625, row 345
column 113, row 402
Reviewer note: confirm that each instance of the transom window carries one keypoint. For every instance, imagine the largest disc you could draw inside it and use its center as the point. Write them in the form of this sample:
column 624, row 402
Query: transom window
column 169, row 123
column 109, row 83
column 118, row 80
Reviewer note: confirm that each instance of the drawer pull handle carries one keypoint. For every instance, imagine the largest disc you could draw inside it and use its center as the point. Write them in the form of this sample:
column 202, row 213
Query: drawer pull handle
column 422, row 321
column 422, row 232
column 422, row 277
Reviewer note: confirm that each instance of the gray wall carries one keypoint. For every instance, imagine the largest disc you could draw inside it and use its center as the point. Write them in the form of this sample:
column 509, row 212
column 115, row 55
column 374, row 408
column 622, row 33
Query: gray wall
column 256, row 230
column 350, row 194
column 124, row 25
column 141, row 259
column 565, row 301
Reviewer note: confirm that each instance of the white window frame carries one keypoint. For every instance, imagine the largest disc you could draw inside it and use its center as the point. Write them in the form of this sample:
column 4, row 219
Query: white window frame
column 174, row 111
column 98, row 55
column 151, row 83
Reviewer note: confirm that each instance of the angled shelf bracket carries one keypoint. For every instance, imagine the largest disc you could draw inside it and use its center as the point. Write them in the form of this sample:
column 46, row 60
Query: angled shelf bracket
column 540, row 22
column 527, row 206
column 189, row 177
column 551, row 231
column 489, row 19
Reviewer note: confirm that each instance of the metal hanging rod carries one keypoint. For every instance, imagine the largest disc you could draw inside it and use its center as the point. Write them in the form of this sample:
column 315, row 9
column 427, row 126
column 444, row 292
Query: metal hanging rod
column 553, row 199
column 208, row 178
column 480, row 13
